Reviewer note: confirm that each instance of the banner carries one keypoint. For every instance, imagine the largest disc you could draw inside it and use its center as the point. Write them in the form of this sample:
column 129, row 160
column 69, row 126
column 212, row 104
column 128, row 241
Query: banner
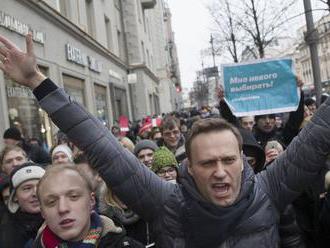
column 261, row 87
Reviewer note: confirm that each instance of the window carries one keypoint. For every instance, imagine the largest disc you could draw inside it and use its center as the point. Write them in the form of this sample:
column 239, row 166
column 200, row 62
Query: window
column 143, row 52
column 151, row 105
column 90, row 17
column 108, row 31
column 75, row 88
column 101, row 104
column 119, row 101
column 64, row 7
column 121, row 45
column 25, row 113
column 139, row 10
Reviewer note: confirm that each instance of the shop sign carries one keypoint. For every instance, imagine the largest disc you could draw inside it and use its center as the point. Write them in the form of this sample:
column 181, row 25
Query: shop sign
column 75, row 55
column 114, row 74
column 21, row 92
column 94, row 64
column 21, row 28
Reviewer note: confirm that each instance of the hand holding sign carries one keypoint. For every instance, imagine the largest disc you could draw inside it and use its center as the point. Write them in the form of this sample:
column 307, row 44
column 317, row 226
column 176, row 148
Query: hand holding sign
column 261, row 87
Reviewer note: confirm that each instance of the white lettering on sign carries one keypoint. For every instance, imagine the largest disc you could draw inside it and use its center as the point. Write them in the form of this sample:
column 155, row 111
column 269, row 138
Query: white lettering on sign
column 75, row 55
column 19, row 92
column 17, row 26
column 94, row 64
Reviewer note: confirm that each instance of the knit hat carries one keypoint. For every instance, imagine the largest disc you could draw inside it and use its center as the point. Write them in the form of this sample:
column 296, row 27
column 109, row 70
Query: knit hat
column 26, row 172
column 65, row 149
column 145, row 144
column 12, row 133
column 163, row 157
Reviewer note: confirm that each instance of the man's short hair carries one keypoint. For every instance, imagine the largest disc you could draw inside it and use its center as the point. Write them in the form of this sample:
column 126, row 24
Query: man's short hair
column 169, row 123
column 83, row 159
column 8, row 149
column 51, row 170
column 270, row 116
column 211, row 125
column 309, row 101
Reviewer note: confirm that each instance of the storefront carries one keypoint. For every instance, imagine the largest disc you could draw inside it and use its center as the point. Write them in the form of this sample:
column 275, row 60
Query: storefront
column 81, row 68
column 25, row 113
column 101, row 104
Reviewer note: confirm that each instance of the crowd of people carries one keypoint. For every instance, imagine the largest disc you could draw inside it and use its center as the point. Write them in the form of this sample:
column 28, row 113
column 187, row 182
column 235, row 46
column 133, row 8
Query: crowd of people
column 192, row 179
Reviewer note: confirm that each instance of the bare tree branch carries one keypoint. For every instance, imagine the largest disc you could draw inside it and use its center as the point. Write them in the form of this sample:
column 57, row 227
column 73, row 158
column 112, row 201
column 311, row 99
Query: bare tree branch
column 327, row 2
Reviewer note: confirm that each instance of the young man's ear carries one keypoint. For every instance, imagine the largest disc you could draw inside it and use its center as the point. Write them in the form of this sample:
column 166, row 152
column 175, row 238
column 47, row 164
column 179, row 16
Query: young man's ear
column 92, row 201
column 188, row 164
column 242, row 155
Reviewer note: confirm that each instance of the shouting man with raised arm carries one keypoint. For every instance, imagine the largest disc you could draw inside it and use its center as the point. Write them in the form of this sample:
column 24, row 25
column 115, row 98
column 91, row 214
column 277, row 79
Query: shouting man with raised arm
column 219, row 202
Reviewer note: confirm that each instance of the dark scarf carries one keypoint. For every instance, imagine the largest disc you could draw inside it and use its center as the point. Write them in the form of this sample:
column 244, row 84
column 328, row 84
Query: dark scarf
column 50, row 240
column 208, row 225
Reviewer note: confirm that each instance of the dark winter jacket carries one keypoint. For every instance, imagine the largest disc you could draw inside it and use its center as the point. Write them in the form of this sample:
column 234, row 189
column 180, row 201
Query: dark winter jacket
column 36, row 153
column 290, row 233
column 178, row 212
column 112, row 237
column 19, row 229
column 135, row 227
column 285, row 135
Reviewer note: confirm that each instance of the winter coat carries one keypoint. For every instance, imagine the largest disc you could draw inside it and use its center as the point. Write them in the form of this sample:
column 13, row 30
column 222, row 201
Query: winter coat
column 135, row 227
column 36, row 153
column 19, row 229
column 289, row 230
column 112, row 237
column 285, row 135
column 179, row 213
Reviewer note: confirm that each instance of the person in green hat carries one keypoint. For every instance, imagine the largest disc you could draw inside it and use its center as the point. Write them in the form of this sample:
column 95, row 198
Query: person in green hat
column 165, row 164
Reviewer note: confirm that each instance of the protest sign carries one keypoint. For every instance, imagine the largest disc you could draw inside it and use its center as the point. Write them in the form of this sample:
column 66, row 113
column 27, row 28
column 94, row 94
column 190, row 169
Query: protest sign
column 261, row 87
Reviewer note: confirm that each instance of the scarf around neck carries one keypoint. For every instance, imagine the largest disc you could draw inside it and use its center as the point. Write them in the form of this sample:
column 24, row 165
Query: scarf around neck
column 208, row 225
column 51, row 240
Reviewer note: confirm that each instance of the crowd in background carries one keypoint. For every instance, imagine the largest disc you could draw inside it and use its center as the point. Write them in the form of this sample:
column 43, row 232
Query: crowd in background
column 160, row 146
column 202, row 178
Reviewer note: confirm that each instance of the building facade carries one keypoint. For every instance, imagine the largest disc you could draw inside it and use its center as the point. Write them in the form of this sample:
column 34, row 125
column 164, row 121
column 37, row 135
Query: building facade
column 93, row 49
column 303, row 57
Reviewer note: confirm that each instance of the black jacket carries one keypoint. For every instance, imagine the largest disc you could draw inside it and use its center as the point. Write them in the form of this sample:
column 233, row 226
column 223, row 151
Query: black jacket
column 164, row 203
column 36, row 153
column 284, row 135
column 135, row 227
column 19, row 229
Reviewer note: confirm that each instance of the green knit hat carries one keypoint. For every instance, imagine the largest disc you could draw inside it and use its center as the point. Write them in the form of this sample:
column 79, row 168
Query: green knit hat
column 163, row 157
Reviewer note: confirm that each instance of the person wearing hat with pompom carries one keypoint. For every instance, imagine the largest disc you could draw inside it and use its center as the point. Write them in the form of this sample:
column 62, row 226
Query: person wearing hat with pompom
column 165, row 165
column 19, row 227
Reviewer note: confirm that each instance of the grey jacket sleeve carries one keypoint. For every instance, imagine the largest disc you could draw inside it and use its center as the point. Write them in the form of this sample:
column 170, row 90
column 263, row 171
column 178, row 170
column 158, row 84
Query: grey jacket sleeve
column 138, row 187
column 302, row 162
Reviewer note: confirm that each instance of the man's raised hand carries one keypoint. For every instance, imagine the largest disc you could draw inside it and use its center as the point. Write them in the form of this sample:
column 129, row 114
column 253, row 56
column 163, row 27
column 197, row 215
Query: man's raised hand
column 18, row 65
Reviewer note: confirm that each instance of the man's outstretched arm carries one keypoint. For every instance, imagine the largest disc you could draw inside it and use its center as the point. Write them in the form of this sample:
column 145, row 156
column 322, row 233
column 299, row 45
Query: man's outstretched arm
column 302, row 162
column 134, row 184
